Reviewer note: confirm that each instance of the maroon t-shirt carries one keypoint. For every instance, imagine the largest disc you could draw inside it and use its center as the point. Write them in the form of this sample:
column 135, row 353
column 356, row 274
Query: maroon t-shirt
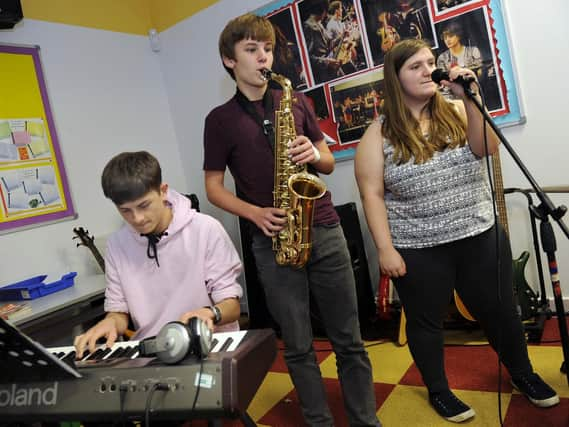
column 233, row 139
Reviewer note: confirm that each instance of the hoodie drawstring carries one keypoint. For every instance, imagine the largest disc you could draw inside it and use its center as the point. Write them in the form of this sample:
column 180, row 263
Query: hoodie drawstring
column 153, row 239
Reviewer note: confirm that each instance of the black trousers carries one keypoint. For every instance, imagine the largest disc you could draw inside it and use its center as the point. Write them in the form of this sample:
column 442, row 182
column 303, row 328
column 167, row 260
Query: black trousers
column 484, row 283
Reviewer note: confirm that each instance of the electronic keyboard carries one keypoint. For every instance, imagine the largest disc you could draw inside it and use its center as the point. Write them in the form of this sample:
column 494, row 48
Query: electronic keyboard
column 117, row 383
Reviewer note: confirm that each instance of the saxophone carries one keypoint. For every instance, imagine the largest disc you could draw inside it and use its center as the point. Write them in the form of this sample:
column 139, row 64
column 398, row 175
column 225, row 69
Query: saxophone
column 295, row 190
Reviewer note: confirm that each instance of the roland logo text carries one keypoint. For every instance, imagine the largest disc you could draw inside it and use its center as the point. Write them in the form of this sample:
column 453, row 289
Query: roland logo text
column 28, row 396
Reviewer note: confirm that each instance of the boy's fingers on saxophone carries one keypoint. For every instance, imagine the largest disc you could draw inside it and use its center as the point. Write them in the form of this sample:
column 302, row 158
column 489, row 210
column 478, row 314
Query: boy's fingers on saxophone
column 299, row 144
column 274, row 218
column 300, row 150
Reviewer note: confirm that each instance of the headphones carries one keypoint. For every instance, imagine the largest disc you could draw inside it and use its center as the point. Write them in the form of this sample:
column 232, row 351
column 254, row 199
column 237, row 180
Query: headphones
column 176, row 341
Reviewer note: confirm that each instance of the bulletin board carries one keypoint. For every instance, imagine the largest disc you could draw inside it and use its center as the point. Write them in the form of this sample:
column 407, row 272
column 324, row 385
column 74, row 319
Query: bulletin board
column 347, row 99
column 33, row 186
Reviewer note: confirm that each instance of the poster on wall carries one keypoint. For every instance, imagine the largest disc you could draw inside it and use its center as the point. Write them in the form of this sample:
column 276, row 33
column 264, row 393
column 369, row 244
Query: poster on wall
column 33, row 184
column 333, row 52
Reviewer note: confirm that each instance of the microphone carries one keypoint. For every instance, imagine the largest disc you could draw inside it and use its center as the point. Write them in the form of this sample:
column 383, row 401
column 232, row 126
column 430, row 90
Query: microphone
column 439, row 74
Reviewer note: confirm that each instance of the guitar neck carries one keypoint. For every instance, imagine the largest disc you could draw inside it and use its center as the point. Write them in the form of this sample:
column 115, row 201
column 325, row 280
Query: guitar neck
column 499, row 190
column 98, row 257
column 89, row 242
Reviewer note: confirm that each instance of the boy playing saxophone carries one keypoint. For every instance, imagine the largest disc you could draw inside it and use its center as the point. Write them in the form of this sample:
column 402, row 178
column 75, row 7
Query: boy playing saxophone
column 239, row 135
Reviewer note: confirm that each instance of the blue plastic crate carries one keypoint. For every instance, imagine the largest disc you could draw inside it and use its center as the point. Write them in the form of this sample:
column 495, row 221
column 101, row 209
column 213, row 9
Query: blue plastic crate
column 35, row 287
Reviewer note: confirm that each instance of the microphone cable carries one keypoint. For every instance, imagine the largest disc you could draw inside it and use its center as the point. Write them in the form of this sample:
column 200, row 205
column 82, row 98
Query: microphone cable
column 498, row 252
column 198, row 387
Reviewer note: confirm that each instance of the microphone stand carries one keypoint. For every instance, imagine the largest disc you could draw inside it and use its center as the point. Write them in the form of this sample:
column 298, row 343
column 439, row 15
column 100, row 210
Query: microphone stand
column 545, row 210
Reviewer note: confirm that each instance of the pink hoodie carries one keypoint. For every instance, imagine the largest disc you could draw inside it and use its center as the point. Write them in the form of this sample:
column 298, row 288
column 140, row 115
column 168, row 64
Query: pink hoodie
column 199, row 266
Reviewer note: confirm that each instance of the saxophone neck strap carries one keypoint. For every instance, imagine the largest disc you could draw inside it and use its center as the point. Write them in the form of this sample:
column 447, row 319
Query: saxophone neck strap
column 266, row 123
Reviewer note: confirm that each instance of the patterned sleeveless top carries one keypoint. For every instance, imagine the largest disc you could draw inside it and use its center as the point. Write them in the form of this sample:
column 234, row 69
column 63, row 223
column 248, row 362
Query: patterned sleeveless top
column 445, row 199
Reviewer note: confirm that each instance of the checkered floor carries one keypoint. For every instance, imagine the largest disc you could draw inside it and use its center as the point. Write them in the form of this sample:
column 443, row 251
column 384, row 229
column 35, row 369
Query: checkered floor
column 401, row 397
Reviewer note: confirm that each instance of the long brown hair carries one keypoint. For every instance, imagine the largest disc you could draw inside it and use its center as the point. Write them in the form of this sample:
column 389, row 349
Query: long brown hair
column 447, row 129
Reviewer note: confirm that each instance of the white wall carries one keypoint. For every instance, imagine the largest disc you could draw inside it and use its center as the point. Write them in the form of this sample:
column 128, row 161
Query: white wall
column 107, row 95
column 196, row 82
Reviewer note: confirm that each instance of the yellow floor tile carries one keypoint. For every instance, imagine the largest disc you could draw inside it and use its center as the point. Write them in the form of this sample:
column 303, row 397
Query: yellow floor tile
column 408, row 406
column 274, row 388
column 465, row 337
column 546, row 361
column 390, row 362
column 328, row 367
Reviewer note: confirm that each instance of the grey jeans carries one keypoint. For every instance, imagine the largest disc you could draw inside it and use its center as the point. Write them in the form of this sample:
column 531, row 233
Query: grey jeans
column 329, row 279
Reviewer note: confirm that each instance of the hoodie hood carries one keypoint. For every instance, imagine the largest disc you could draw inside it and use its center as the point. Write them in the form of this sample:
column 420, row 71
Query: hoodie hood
column 182, row 215
column 182, row 211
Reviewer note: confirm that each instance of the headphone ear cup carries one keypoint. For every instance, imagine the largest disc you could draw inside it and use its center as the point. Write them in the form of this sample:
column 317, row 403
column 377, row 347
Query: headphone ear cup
column 176, row 341
column 172, row 343
column 200, row 337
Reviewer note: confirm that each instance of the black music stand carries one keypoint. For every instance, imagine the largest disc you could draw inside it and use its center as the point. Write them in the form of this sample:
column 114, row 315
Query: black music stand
column 22, row 359
column 543, row 212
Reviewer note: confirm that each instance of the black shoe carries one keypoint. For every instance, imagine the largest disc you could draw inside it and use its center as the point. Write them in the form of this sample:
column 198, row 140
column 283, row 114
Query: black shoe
column 536, row 390
column 451, row 407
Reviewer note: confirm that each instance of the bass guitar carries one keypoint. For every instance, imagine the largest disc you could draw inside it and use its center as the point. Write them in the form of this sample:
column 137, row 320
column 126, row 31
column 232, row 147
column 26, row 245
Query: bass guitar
column 89, row 242
column 527, row 299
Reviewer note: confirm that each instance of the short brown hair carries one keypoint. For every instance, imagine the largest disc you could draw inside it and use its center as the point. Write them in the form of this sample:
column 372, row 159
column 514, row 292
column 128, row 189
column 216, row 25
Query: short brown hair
column 130, row 175
column 244, row 27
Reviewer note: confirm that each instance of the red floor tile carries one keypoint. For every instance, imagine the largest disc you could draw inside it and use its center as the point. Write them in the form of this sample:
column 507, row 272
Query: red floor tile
column 467, row 368
column 551, row 335
column 521, row 413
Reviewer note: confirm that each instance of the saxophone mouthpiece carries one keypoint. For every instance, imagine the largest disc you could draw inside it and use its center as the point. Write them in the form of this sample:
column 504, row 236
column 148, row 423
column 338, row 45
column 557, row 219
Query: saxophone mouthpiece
column 266, row 73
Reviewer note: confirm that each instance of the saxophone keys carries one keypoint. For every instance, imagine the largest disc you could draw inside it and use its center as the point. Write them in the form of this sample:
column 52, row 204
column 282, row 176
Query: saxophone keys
column 281, row 258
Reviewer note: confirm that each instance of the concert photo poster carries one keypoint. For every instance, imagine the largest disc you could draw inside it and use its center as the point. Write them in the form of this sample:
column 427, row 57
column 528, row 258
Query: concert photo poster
column 336, row 57
column 286, row 50
column 471, row 29
column 388, row 22
column 333, row 41
column 356, row 103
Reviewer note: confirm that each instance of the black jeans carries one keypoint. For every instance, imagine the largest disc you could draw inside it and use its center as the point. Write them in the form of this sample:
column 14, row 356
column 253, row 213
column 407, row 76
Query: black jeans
column 471, row 267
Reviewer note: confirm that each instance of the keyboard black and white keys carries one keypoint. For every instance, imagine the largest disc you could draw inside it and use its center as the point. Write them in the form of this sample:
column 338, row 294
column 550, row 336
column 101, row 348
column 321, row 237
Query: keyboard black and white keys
column 222, row 341
column 111, row 386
